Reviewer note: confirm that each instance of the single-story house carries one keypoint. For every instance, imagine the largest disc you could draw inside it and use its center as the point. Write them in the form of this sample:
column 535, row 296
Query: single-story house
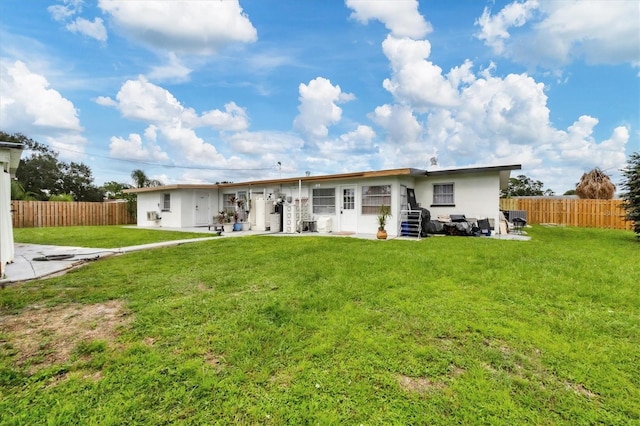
column 339, row 203
column 9, row 160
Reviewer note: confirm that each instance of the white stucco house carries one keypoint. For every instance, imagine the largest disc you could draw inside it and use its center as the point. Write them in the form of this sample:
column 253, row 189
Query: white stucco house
column 345, row 202
column 9, row 160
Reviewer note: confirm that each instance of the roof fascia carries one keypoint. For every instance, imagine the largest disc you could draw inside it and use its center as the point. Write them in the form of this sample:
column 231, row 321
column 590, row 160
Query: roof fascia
column 474, row 170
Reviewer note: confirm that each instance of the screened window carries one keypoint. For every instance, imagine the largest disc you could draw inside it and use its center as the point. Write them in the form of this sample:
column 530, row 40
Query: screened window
column 166, row 202
column 373, row 197
column 443, row 194
column 324, row 200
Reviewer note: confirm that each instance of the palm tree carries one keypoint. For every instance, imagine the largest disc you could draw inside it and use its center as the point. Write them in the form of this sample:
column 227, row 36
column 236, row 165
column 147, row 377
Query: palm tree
column 18, row 192
column 141, row 180
column 595, row 185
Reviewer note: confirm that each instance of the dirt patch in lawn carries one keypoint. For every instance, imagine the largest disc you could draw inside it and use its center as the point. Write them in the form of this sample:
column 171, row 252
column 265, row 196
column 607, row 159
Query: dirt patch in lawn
column 419, row 384
column 42, row 336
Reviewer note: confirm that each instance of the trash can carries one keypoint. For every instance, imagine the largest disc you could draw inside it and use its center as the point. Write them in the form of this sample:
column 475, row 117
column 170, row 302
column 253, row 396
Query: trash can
column 275, row 222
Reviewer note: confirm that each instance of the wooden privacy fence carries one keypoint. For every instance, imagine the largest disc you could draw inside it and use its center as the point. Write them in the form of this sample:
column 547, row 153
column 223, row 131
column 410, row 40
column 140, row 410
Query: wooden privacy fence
column 570, row 211
column 37, row 214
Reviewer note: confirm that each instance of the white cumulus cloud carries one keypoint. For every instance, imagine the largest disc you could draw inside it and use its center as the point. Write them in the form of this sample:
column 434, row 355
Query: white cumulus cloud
column 494, row 29
column 173, row 70
column 170, row 124
column 415, row 80
column 233, row 118
column 400, row 17
column 319, row 108
column 94, row 29
column 261, row 144
column 65, row 12
column 133, row 148
column 29, row 101
column 184, row 27
column 560, row 32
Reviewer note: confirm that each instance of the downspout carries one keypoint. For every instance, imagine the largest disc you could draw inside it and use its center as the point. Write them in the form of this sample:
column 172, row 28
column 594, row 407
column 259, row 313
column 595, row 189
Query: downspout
column 300, row 203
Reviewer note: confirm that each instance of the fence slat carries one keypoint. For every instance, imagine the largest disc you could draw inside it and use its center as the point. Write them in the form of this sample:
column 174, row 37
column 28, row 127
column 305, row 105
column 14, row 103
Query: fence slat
column 570, row 211
column 41, row 214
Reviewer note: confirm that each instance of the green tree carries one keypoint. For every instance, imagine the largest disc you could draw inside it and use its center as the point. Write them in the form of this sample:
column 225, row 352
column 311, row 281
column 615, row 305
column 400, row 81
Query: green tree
column 77, row 180
column 523, row 186
column 631, row 191
column 141, row 180
column 18, row 192
column 41, row 174
column 114, row 190
column 62, row 197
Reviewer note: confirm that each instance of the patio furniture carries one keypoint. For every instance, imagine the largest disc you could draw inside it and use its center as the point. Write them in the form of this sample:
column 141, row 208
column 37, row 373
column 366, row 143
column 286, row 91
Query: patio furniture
column 518, row 224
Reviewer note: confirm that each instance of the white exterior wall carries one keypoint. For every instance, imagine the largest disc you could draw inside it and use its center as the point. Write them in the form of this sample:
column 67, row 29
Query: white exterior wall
column 147, row 201
column 475, row 195
column 7, row 252
column 364, row 223
column 9, row 161
column 182, row 212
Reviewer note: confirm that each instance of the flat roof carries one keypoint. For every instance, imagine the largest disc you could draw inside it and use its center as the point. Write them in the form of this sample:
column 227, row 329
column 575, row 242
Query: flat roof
column 463, row 170
column 407, row 171
column 12, row 145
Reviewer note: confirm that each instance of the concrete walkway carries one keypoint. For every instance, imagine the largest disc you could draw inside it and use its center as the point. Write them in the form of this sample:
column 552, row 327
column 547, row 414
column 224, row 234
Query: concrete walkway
column 34, row 261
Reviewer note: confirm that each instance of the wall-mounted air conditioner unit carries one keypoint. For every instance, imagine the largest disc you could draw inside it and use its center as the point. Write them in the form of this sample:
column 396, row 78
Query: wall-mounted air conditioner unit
column 153, row 216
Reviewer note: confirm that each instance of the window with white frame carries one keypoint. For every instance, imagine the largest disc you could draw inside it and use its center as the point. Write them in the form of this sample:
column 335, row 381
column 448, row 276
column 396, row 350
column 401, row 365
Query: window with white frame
column 228, row 203
column 166, row 202
column 373, row 197
column 242, row 199
column 443, row 194
column 324, row 200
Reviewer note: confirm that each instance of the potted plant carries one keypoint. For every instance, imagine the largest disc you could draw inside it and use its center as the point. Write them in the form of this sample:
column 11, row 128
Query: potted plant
column 385, row 212
column 224, row 218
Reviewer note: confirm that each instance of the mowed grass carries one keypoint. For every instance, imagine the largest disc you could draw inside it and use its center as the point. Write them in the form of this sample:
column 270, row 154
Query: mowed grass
column 318, row 330
column 100, row 236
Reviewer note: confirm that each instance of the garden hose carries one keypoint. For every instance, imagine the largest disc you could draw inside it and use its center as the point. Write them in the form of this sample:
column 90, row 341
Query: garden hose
column 53, row 257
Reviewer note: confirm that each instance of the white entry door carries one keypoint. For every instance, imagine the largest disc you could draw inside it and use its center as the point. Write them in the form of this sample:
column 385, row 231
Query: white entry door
column 348, row 214
column 202, row 209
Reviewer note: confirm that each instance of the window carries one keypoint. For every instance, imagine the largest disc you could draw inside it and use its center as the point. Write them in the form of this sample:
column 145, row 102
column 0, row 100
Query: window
column 443, row 194
column 166, row 202
column 229, row 204
column 324, row 200
column 242, row 198
column 349, row 199
column 373, row 197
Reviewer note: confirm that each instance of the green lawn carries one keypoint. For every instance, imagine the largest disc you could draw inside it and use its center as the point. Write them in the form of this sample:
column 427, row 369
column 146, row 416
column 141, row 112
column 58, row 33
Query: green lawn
column 100, row 236
column 319, row 330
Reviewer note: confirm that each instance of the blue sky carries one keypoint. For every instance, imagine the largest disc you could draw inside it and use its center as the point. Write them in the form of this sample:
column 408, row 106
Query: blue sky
column 204, row 91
